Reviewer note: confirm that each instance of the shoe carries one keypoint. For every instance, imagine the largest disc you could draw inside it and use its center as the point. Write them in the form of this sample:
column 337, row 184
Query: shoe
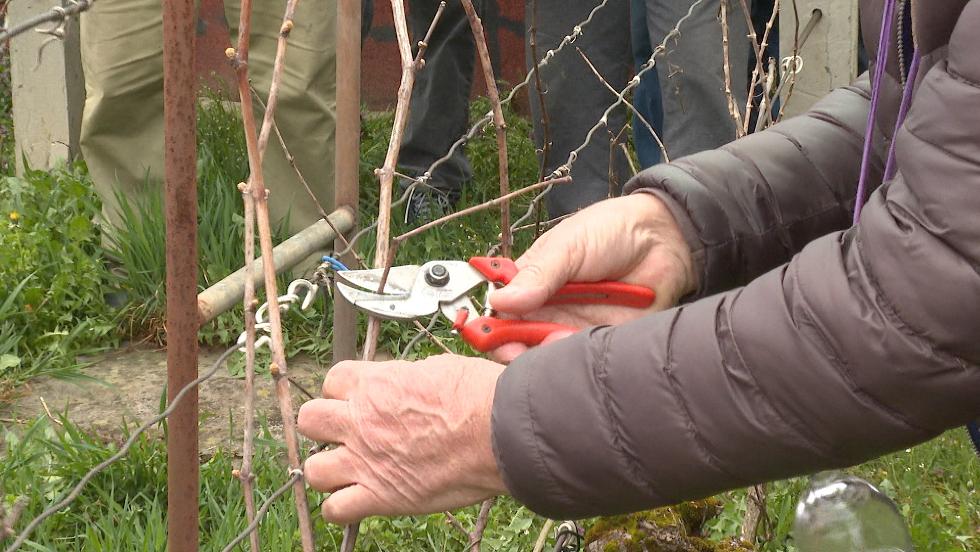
column 426, row 205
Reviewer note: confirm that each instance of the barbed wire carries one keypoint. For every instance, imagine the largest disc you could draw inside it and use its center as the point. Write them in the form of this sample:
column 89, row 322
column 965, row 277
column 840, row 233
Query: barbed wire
column 57, row 14
column 480, row 124
column 122, row 452
column 295, row 475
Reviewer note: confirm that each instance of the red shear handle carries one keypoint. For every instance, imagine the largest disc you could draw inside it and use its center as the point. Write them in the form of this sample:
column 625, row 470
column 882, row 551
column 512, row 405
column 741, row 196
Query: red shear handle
column 502, row 270
column 487, row 333
column 499, row 270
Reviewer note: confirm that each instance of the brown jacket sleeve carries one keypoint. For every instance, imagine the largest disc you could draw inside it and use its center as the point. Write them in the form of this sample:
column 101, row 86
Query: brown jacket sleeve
column 865, row 342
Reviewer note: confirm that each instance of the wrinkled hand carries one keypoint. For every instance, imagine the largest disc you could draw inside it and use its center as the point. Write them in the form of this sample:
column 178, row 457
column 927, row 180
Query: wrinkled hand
column 633, row 239
column 413, row 437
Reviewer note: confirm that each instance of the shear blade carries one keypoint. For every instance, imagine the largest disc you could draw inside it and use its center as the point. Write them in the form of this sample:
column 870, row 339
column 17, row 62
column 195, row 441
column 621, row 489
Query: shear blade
column 389, row 307
column 400, row 279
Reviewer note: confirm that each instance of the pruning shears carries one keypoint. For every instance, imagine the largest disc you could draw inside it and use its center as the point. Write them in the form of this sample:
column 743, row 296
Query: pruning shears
column 413, row 291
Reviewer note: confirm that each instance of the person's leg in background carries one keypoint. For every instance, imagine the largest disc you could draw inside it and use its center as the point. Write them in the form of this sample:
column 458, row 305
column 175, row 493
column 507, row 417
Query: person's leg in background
column 367, row 18
column 691, row 70
column 576, row 100
column 646, row 95
column 440, row 108
column 122, row 124
column 306, row 114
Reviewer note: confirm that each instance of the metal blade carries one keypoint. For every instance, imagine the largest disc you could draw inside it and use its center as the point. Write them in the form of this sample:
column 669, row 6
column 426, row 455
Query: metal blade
column 424, row 295
column 400, row 279
column 451, row 310
column 390, row 307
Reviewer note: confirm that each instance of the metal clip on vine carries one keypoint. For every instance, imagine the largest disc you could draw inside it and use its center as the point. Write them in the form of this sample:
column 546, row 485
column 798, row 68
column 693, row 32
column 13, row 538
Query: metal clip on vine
column 284, row 302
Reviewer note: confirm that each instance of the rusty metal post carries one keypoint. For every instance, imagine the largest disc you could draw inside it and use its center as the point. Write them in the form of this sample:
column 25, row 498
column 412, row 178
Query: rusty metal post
column 180, row 159
column 348, row 154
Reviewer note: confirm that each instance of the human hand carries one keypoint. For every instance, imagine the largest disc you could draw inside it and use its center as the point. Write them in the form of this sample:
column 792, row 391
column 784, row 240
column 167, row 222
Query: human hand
column 413, row 437
column 633, row 239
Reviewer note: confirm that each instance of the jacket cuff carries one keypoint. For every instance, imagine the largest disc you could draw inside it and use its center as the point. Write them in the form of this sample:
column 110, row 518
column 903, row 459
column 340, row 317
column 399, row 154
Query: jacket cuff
column 698, row 215
column 688, row 232
column 553, row 435
column 516, row 442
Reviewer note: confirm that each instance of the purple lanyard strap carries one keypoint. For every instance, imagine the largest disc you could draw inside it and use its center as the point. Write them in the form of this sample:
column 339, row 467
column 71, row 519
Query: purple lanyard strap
column 884, row 46
column 884, row 49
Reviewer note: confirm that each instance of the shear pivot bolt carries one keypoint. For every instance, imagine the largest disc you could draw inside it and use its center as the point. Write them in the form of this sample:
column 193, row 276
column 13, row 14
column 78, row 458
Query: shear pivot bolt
column 437, row 275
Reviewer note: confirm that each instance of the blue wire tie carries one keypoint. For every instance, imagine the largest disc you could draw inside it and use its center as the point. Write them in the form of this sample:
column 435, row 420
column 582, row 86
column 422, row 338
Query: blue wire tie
column 334, row 263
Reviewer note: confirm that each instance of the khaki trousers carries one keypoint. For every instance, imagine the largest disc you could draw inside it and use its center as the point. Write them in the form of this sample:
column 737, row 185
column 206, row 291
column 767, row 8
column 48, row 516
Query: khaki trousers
column 122, row 126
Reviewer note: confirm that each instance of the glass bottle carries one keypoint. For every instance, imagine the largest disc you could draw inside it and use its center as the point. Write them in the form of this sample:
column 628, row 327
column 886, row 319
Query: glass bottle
column 843, row 513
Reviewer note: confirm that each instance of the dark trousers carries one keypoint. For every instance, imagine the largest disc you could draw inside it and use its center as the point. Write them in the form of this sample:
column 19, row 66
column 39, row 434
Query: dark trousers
column 646, row 95
column 440, row 100
column 576, row 99
column 691, row 72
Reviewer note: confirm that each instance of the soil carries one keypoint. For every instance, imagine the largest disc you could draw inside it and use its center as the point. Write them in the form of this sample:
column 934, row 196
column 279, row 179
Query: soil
column 127, row 387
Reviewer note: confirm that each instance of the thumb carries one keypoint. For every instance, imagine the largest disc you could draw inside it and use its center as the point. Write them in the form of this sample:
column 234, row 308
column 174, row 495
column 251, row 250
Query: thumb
column 537, row 279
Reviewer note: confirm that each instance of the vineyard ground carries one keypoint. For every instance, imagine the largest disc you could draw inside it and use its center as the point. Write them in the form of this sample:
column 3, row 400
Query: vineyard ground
column 126, row 386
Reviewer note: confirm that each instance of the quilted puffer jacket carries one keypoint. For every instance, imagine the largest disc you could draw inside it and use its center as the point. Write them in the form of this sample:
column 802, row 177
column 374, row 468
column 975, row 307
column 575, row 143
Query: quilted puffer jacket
column 846, row 342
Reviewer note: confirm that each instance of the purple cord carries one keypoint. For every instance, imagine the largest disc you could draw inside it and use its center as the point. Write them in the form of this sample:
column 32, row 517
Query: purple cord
column 903, row 110
column 884, row 45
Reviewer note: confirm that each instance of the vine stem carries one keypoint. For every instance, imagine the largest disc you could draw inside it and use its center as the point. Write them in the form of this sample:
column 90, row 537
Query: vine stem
column 732, row 105
column 760, row 51
column 255, row 143
column 476, row 25
column 386, row 177
column 386, row 174
column 248, row 446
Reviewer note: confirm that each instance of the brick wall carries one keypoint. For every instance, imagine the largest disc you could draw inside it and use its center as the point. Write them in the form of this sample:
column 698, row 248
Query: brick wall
column 503, row 20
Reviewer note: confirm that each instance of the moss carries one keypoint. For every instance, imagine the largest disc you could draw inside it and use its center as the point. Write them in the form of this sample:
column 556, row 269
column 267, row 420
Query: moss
column 677, row 528
column 611, row 546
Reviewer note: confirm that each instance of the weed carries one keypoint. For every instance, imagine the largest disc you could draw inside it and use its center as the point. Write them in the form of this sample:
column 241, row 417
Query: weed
column 51, row 275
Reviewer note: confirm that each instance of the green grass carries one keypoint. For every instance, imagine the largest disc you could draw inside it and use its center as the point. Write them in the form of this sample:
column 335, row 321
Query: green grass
column 124, row 507
column 934, row 484
column 52, row 281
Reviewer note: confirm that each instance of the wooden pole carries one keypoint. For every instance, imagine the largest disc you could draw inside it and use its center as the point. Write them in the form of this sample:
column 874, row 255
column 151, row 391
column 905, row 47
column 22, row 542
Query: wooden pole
column 346, row 186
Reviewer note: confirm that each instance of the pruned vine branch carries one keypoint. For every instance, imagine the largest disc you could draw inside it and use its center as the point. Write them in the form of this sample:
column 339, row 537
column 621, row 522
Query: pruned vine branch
column 256, row 143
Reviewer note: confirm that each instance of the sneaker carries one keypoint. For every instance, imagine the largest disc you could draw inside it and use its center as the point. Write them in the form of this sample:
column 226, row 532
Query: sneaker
column 426, row 205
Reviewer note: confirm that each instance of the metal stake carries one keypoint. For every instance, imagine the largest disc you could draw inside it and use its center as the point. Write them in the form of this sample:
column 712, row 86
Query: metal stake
column 180, row 159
